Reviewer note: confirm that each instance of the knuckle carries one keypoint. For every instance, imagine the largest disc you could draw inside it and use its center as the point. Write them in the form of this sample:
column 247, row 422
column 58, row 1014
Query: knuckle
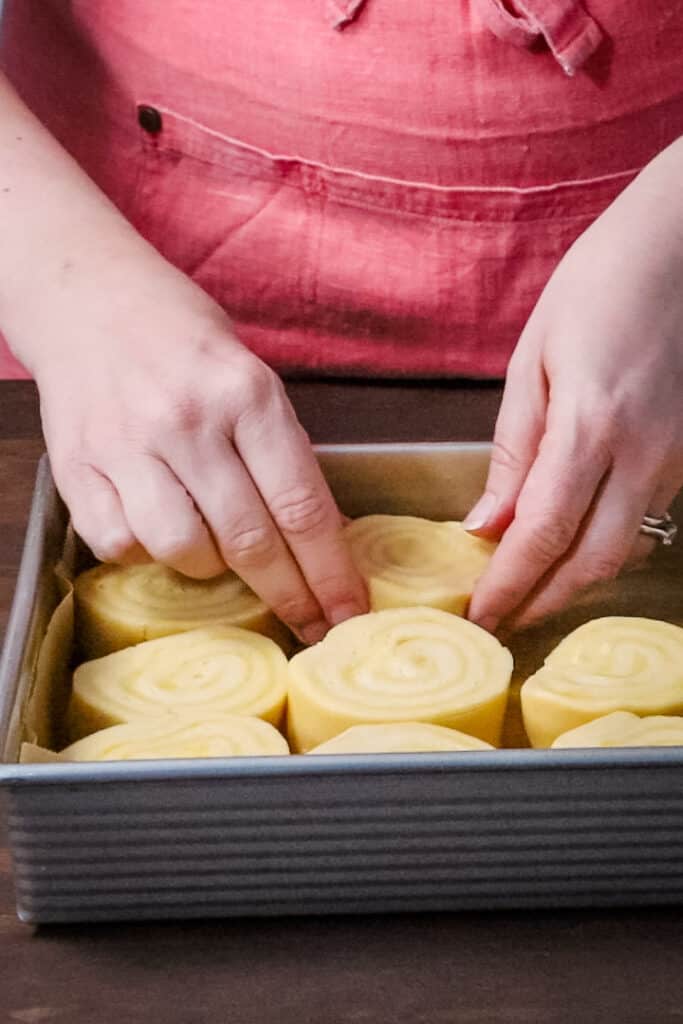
column 549, row 537
column 75, row 473
column 332, row 589
column 600, row 567
column 250, row 546
column 180, row 415
column 503, row 458
column 297, row 609
column 605, row 423
column 301, row 510
column 255, row 385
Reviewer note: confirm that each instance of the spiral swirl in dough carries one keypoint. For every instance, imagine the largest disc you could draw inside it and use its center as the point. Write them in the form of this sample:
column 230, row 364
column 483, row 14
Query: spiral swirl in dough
column 615, row 663
column 399, row 665
column 220, row 669
column 180, row 735
column 118, row 606
column 399, row 738
column 623, row 729
column 407, row 561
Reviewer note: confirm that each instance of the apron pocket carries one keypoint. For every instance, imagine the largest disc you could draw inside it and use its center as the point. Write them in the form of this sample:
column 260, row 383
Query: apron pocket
column 331, row 268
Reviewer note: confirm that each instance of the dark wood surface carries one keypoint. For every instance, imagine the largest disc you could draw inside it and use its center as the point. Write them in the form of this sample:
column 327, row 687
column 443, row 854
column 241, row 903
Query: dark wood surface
column 580, row 967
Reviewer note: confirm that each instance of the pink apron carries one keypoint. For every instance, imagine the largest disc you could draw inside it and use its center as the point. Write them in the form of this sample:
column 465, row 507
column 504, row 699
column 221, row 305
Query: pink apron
column 378, row 187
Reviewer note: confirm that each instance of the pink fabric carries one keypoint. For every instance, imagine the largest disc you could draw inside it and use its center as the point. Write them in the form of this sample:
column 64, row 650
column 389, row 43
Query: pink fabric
column 387, row 196
column 572, row 35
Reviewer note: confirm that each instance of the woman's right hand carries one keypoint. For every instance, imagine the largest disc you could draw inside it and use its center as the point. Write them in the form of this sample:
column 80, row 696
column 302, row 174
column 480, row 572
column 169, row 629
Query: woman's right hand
column 170, row 441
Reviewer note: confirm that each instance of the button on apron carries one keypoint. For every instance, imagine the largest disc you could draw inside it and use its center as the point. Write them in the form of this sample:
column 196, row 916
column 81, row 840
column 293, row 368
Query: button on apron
column 149, row 119
column 386, row 199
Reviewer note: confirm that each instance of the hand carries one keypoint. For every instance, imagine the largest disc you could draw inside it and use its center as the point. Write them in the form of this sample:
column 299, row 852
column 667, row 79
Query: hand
column 590, row 432
column 169, row 440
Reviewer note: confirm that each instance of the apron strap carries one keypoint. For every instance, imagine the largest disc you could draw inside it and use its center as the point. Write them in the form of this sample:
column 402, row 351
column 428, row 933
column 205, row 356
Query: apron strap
column 570, row 32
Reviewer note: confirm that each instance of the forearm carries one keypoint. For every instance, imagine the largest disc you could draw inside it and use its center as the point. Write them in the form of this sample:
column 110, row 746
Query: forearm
column 667, row 169
column 660, row 191
column 57, row 229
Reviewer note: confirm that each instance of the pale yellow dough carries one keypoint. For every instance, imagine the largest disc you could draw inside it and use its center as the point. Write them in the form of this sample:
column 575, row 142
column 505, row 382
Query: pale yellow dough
column 399, row 738
column 407, row 561
column 180, row 735
column 610, row 664
column 220, row 669
column 623, row 729
column 118, row 606
column 399, row 665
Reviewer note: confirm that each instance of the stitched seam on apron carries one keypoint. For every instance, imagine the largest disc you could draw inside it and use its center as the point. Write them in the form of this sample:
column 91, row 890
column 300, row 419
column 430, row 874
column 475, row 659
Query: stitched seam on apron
column 550, row 217
column 281, row 158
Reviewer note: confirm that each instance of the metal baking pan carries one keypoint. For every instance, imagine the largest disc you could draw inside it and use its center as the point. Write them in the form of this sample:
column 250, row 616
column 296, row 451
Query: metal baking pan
column 504, row 829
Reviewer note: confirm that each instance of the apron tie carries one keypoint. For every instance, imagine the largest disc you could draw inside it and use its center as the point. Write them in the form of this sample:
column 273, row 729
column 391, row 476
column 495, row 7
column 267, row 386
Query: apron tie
column 569, row 31
column 343, row 11
column 565, row 25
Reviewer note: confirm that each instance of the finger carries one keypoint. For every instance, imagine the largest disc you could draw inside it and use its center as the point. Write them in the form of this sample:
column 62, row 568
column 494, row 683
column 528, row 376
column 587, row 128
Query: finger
column 552, row 504
column 608, row 541
column 98, row 518
column 602, row 547
column 279, row 459
column 246, row 536
column 163, row 517
column 640, row 553
column 518, row 433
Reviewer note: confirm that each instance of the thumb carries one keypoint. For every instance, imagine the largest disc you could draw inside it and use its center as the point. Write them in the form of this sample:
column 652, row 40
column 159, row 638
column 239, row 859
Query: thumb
column 519, row 429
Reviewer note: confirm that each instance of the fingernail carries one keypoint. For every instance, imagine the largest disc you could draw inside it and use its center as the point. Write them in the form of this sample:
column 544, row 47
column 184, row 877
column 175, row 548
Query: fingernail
column 481, row 513
column 343, row 612
column 314, row 632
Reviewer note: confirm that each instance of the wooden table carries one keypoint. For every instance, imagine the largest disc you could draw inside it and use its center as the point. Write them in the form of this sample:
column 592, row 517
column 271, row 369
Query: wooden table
column 581, row 967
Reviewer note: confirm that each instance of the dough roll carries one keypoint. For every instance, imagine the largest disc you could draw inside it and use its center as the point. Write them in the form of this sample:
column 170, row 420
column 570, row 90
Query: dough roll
column 399, row 665
column 217, row 670
column 407, row 561
column 399, row 738
column 623, row 729
column 118, row 606
column 180, row 735
column 610, row 664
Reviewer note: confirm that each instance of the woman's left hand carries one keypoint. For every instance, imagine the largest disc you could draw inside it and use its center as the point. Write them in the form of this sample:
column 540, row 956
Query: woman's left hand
column 590, row 433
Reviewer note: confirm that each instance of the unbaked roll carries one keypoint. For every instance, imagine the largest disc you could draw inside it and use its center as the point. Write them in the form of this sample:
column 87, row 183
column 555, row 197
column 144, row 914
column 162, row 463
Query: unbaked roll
column 399, row 665
column 220, row 669
column 610, row 664
column 623, row 729
column 180, row 735
column 118, row 606
column 407, row 561
column 399, row 738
